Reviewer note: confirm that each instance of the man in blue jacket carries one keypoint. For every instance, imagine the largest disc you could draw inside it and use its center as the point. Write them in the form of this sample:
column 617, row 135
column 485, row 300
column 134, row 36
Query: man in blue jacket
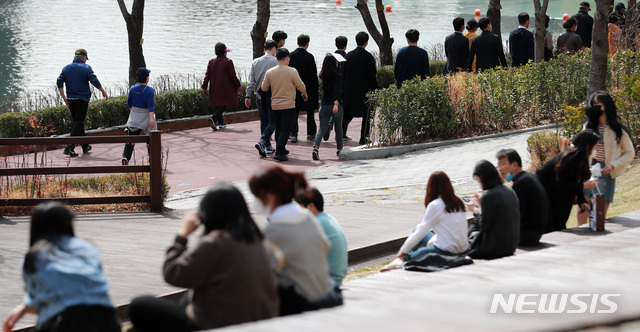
column 76, row 76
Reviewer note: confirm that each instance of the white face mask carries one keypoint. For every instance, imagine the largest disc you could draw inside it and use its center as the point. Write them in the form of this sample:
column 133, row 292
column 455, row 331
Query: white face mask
column 259, row 208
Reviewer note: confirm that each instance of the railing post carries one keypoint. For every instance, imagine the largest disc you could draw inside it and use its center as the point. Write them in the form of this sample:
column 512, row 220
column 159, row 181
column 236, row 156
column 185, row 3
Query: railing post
column 155, row 175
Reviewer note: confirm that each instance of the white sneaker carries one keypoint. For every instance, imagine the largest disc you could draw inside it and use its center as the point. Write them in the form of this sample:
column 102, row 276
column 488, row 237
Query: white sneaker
column 394, row 265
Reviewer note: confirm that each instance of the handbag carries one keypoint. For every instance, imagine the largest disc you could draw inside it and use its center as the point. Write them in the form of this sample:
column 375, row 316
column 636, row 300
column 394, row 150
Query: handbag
column 596, row 211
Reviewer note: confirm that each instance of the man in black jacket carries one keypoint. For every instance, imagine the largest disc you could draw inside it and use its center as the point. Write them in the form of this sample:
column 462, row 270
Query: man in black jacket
column 521, row 42
column 456, row 48
column 487, row 48
column 534, row 207
column 305, row 64
column 360, row 78
column 585, row 24
column 412, row 61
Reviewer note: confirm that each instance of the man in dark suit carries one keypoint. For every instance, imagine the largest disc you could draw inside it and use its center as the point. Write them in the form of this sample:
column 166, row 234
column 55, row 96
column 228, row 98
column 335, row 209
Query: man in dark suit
column 585, row 24
column 360, row 78
column 487, row 48
column 521, row 42
column 305, row 64
column 456, row 48
column 411, row 60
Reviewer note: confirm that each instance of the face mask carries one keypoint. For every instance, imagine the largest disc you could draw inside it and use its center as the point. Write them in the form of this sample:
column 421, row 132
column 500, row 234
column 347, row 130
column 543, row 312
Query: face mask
column 509, row 177
column 259, row 208
column 594, row 111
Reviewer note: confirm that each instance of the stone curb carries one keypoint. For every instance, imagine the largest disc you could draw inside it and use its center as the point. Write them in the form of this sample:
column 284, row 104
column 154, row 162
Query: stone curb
column 365, row 152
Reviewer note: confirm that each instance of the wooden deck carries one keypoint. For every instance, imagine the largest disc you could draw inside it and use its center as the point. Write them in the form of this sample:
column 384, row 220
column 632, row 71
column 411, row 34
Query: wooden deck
column 575, row 261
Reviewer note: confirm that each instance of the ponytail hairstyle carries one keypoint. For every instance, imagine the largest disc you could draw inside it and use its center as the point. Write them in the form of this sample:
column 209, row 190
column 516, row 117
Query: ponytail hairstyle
column 439, row 185
column 610, row 109
column 275, row 180
column 223, row 208
column 49, row 223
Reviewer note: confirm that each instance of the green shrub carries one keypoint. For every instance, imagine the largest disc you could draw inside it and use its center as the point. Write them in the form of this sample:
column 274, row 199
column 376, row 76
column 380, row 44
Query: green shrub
column 419, row 110
column 436, row 66
column 385, row 76
column 574, row 118
column 542, row 146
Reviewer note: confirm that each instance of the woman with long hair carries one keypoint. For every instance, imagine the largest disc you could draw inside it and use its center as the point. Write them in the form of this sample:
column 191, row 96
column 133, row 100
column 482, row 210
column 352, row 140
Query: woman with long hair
column 304, row 278
column 63, row 277
column 443, row 229
column 228, row 273
column 495, row 229
column 615, row 151
column 330, row 104
column 565, row 176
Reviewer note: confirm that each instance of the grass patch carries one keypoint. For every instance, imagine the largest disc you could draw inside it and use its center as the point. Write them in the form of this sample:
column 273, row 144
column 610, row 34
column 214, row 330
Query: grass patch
column 367, row 271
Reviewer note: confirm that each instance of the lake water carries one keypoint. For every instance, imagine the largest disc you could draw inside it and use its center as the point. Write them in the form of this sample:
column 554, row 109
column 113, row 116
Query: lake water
column 37, row 38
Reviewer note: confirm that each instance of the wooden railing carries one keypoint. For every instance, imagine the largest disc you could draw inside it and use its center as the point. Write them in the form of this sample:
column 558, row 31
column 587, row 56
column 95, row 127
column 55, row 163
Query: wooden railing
column 154, row 169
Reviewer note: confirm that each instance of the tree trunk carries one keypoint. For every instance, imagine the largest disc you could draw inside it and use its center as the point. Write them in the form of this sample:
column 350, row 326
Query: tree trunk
column 599, row 46
column 259, row 31
column 493, row 13
column 135, row 25
column 383, row 39
column 541, row 30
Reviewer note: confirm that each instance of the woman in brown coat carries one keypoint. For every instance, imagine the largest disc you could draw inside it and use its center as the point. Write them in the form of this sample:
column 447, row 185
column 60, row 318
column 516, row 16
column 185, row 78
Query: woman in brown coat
column 223, row 85
column 228, row 272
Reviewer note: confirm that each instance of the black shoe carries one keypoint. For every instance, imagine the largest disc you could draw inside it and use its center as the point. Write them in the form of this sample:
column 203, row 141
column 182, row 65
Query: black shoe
column 125, row 162
column 86, row 150
column 315, row 154
column 311, row 138
column 365, row 140
column 294, row 139
column 281, row 158
column 286, row 152
column 69, row 152
column 346, row 138
column 327, row 133
column 213, row 124
column 338, row 152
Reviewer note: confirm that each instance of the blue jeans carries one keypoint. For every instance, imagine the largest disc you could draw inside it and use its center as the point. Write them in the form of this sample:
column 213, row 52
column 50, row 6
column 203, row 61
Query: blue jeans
column 606, row 186
column 284, row 120
column 325, row 114
column 417, row 252
column 267, row 123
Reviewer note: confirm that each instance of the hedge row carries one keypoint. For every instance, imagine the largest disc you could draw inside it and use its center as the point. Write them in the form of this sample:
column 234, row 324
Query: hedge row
column 467, row 104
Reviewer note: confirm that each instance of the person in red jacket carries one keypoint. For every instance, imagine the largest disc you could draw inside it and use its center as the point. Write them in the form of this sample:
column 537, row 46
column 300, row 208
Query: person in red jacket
column 223, row 84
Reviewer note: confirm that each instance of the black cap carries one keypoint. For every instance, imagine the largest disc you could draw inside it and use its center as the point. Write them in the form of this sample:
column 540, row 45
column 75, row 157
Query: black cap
column 143, row 73
column 585, row 5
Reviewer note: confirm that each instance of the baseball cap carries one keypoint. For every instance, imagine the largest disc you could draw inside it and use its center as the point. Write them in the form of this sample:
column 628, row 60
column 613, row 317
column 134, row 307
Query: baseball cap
column 143, row 72
column 585, row 5
column 83, row 52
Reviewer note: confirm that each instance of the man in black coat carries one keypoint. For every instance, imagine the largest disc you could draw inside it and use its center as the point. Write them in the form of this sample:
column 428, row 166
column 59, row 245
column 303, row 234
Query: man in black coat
column 412, row 61
column 532, row 199
column 360, row 78
column 456, row 48
column 487, row 48
column 305, row 64
column 521, row 42
column 585, row 24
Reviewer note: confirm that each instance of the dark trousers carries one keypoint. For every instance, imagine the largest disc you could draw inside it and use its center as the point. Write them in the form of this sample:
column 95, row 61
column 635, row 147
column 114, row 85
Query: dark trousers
column 149, row 313
column 364, row 130
column 311, row 123
column 284, row 119
column 78, row 108
column 529, row 237
column 291, row 302
column 217, row 114
column 83, row 318
column 128, row 147
column 267, row 122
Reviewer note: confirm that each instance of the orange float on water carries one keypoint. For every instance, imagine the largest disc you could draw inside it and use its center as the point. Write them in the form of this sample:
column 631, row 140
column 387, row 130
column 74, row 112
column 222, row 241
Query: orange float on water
column 477, row 12
column 338, row 2
column 388, row 8
column 565, row 16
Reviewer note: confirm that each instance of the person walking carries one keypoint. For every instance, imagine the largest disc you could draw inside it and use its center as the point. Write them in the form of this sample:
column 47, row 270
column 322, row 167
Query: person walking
column 456, row 48
column 487, row 47
column 330, row 105
column 223, row 85
column 341, row 48
column 412, row 61
column 585, row 23
column 142, row 116
column 569, row 41
column 259, row 68
column 283, row 81
column 76, row 76
column 305, row 64
column 360, row 78
column 521, row 42
column 64, row 282
column 280, row 37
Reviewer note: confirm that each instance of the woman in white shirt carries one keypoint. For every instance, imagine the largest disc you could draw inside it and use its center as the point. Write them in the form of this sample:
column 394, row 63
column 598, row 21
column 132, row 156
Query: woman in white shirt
column 443, row 229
